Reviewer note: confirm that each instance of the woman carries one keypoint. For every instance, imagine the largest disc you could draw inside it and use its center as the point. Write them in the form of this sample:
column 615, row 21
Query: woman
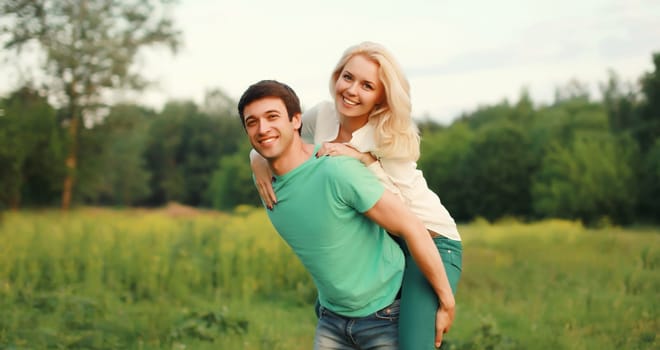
column 370, row 120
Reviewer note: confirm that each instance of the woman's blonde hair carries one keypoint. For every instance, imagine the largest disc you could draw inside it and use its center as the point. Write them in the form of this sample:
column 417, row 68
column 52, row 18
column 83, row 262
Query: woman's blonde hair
column 397, row 135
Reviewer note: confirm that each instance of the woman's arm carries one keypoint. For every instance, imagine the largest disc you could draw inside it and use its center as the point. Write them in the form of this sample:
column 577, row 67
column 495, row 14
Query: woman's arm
column 263, row 179
column 340, row 149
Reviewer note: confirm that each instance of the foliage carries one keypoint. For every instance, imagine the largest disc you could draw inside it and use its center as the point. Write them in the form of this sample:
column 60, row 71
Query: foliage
column 183, row 150
column 576, row 158
column 500, row 167
column 647, row 128
column 207, row 326
column 649, row 175
column 113, row 168
column 31, row 150
column 621, row 104
column 589, row 179
column 88, row 49
column 480, row 173
column 443, row 162
column 232, row 182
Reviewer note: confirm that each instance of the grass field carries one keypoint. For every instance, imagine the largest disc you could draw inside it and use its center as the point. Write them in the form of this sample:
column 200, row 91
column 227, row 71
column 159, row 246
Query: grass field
column 183, row 279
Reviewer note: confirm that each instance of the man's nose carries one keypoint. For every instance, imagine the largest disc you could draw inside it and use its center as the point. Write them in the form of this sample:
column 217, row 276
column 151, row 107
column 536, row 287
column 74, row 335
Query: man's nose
column 264, row 126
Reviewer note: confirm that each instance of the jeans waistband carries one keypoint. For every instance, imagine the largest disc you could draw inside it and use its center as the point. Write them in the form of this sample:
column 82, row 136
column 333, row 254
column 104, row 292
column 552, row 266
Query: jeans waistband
column 322, row 309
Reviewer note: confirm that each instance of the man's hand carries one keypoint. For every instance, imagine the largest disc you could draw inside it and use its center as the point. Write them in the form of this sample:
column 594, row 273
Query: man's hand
column 444, row 317
column 391, row 214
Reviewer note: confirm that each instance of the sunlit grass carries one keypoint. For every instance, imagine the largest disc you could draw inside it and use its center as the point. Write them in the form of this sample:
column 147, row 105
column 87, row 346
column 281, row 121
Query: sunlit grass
column 556, row 284
column 183, row 279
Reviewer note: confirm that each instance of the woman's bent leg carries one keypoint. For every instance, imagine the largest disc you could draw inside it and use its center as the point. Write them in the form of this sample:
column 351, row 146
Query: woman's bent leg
column 419, row 302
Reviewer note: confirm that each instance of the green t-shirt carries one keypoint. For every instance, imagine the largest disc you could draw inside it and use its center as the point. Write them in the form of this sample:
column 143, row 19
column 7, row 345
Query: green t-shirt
column 356, row 266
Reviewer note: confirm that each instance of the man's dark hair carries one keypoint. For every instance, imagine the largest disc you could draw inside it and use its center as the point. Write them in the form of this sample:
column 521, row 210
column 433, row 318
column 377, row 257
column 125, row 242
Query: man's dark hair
column 270, row 88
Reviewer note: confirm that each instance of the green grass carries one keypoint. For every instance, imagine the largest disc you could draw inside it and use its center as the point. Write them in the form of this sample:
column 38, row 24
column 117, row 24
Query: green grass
column 135, row 279
column 556, row 285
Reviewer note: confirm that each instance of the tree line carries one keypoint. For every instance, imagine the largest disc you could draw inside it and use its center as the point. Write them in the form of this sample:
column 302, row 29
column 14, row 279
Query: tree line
column 61, row 144
column 134, row 156
column 576, row 158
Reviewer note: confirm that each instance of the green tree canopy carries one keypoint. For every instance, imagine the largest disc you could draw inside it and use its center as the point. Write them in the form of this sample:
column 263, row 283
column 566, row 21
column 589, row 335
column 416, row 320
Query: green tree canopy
column 88, row 47
column 185, row 144
column 31, row 150
column 113, row 167
column 232, row 183
column 590, row 178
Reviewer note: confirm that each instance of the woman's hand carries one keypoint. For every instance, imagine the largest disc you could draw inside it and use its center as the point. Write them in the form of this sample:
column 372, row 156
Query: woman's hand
column 263, row 179
column 340, row 149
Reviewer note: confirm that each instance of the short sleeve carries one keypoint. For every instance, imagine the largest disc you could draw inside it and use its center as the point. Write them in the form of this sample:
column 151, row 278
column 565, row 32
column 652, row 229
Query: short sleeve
column 354, row 184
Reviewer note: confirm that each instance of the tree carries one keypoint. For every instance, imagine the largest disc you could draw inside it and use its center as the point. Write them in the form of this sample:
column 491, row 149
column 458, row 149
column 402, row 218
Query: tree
column 442, row 161
column 648, row 129
column 232, row 183
column 164, row 152
column 487, row 115
column 218, row 103
column 30, row 150
column 573, row 90
column 498, row 170
column 620, row 101
column 649, row 177
column 482, row 164
column 590, row 178
column 184, row 147
column 560, row 123
column 113, row 168
column 89, row 47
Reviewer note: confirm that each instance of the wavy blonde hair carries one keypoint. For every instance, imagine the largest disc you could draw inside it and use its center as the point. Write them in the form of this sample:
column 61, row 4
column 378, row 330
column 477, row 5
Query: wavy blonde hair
column 397, row 135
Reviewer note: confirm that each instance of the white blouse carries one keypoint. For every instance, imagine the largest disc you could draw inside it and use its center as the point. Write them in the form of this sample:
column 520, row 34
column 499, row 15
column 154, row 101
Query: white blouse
column 321, row 124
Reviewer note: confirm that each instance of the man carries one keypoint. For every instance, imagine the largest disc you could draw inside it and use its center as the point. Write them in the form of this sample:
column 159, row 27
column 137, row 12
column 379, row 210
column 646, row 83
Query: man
column 333, row 213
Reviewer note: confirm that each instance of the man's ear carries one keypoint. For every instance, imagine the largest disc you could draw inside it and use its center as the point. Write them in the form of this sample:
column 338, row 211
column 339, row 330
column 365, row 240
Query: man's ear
column 297, row 121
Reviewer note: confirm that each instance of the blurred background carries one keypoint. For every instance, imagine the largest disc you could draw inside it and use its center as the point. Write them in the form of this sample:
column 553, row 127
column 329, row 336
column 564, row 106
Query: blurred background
column 534, row 110
column 126, row 192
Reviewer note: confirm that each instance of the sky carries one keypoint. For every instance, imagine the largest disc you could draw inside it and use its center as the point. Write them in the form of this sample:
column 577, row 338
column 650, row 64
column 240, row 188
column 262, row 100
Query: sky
column 457, row 55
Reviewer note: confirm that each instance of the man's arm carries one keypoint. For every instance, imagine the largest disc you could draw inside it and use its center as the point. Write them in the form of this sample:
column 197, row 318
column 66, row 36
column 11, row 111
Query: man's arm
column 391, row 214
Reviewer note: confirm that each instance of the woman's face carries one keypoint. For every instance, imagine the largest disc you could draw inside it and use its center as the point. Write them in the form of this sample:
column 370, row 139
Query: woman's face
column 358, row 88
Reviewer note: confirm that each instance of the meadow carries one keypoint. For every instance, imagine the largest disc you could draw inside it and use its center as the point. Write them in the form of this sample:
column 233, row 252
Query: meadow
column 178, row 278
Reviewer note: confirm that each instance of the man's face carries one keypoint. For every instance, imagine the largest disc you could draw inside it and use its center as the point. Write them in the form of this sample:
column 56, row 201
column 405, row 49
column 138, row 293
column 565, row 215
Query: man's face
column 268, row 126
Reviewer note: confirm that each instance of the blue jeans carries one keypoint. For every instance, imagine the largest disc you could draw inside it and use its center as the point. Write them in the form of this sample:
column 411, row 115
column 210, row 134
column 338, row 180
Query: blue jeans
column 378, row 331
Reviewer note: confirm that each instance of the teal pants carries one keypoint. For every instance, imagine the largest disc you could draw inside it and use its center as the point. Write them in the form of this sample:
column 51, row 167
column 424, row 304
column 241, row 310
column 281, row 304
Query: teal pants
column 419, row 302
